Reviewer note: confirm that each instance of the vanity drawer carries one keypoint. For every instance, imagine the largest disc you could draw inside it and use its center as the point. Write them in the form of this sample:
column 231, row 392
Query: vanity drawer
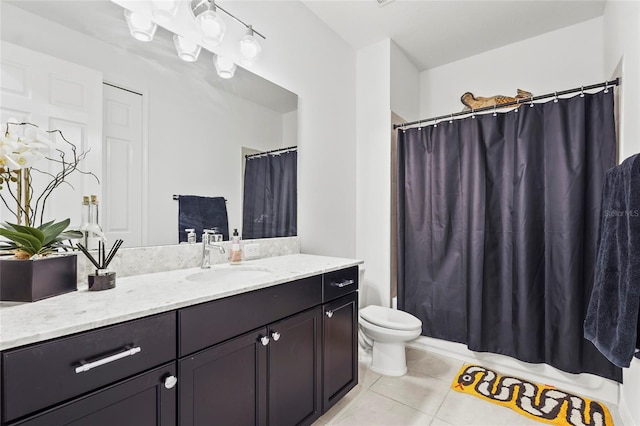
column 45, row 374
column 338, row 283
column 210, row 323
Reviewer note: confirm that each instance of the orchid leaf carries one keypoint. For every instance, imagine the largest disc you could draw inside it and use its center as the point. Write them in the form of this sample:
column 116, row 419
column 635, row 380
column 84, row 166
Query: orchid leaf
column 24, row 241
column 28, row 230
column 51, row 232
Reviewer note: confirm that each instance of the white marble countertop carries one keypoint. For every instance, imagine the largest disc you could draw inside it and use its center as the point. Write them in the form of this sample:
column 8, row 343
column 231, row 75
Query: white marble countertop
column 143, row 295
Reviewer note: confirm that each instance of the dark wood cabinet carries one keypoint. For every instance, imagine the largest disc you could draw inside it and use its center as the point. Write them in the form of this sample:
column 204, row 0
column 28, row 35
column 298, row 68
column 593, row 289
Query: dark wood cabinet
column 147, row 399
column 42, row 375
column 340, row 348
column 277, row 356
column 294, row 369
column 225, row 384
column 267, row 376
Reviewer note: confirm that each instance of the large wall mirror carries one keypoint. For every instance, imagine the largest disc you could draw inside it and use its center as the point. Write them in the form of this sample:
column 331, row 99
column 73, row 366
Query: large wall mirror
column 194, row 126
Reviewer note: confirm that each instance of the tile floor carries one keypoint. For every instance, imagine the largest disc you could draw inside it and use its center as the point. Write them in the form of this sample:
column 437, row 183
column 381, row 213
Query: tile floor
column 421, row 397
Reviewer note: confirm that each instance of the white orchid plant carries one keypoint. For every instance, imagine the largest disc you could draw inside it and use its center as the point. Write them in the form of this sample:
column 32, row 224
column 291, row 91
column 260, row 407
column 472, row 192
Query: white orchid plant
column 22, row 146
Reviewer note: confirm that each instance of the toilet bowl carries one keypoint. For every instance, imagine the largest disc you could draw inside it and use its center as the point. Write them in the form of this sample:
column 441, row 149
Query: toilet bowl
column 387, row 330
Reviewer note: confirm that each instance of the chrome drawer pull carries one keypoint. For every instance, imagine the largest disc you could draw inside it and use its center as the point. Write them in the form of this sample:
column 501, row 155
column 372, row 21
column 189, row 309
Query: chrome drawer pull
column 343, row 283
column 275, row 336
column 329, row 314
column 264, row 340
column 88, row 366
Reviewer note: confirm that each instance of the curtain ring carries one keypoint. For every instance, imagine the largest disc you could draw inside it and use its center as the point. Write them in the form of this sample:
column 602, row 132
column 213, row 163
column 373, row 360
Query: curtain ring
column 531, row 102
column 517, row 105
column 473, row 113
column 555, row 99
column 436, row 123
column 451, row 119
column 419, row 125
column 606, row 87
column 495, row 114
column 582, row 91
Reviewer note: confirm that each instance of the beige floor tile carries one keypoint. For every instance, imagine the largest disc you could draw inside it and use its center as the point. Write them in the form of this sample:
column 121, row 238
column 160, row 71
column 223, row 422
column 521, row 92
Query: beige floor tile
column 366, row 377
column 341, row 405
column 440, row 367
column 466, row 410
column 414, row 389
column 372, row 409
column 437, row 422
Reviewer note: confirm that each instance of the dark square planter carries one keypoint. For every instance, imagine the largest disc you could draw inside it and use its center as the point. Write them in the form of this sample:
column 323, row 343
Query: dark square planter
column 31, row 280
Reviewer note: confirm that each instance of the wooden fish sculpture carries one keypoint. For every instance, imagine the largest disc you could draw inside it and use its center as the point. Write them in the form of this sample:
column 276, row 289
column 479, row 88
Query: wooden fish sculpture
column 472, row 102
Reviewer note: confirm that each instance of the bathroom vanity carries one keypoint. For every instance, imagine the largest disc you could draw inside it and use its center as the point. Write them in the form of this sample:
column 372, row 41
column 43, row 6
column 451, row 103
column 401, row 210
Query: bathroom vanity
column 274, row 342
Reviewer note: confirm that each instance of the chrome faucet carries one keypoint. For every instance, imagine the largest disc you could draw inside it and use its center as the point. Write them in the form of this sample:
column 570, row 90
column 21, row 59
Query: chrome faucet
column 207, row 245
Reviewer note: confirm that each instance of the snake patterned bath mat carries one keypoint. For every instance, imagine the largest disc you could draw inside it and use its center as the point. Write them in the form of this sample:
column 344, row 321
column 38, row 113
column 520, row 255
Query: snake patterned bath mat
column 540, row 402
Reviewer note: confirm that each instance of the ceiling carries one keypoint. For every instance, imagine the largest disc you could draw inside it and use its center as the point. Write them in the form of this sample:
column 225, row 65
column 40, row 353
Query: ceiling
column 434, row 33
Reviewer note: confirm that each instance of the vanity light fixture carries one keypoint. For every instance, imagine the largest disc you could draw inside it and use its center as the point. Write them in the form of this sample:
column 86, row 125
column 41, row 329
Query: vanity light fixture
column 207, row 18
column 188, row 50
column 164, row 10
column 211, row 25
column 225, row 67
column 140, row 26
column 250, row 48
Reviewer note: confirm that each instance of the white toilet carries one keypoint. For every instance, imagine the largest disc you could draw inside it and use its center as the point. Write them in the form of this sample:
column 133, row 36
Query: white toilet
column 386, row 330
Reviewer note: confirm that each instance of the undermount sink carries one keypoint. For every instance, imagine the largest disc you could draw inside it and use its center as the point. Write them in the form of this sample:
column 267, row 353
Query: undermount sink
column 232, row 272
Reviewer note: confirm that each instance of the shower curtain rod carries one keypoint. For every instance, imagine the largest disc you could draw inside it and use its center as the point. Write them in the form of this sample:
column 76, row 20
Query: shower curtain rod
column 606, row 84
column 289, row 148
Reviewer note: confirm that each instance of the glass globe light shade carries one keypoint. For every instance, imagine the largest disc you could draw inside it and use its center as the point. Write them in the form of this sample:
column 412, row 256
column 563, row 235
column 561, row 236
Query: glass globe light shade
column 164, row 10
column 140, row 26
column 212, row 27
column 225, row 67
column 188, row 50
column 250, row 49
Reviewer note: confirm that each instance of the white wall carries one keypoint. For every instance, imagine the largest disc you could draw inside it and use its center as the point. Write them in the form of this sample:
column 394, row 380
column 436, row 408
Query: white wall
column 195, row 132
column 405, row 79
column 303, row 55
column 622, row 45
column 558, row 60
column 373, row 89
column 290, row 129
column 386, row 81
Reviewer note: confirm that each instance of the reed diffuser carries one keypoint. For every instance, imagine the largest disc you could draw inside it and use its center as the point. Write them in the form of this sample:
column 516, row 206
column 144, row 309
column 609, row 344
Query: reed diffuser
column 102, row 279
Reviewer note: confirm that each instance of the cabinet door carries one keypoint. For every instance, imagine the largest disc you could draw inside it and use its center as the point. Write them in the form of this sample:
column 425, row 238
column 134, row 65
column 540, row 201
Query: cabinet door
column 340, row 343
column 142, row 400
column 294, row 369
column 225, row 384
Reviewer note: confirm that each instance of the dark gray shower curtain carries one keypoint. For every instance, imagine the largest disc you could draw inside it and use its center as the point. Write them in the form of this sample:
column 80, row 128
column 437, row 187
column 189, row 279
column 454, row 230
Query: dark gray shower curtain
column 270, row 207
column 497, row 229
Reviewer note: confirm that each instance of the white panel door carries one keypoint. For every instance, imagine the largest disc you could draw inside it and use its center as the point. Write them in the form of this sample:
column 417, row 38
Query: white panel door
column 122, row 166
column 55, row 95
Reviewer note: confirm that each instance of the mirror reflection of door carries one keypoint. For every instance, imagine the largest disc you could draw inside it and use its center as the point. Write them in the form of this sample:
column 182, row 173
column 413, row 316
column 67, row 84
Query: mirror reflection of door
column 123, row 166
column 54, row 95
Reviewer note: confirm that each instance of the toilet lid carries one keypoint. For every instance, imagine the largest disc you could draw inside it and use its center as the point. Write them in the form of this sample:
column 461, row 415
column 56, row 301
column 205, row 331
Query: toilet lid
column 390, row 318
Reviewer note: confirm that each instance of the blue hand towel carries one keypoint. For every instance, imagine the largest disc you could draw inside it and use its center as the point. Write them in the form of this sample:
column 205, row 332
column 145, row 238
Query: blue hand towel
column 611, row 323
column 200, row 213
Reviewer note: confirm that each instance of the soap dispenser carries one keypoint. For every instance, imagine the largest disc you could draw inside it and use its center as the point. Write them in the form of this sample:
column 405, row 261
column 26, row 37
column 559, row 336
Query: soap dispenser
column 236, row 252
column 191, row 235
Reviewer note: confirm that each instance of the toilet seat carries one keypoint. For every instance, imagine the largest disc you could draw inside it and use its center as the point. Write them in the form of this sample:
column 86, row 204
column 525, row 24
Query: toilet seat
column 390, row 318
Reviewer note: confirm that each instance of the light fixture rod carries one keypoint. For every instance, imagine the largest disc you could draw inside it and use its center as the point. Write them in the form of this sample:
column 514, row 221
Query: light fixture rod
column 231, row 15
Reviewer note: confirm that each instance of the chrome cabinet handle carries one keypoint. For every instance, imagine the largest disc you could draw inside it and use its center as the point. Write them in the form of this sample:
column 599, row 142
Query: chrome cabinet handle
column 329, row 314
column 264, row 340
column 170, row 382
column 90, row 365
column 275, row 336
column 343, row 283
